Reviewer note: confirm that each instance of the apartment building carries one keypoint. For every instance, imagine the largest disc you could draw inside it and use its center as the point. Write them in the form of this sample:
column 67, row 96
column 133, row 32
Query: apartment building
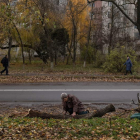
column 102, row 17
column 107, row 16
column 104, row 9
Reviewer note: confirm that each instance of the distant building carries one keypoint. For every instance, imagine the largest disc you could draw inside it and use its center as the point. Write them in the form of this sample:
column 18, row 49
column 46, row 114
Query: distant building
column 102, row 14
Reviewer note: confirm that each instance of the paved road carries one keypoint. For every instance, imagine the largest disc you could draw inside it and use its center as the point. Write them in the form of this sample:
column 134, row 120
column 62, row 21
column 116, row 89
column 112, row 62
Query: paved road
column 92, row 92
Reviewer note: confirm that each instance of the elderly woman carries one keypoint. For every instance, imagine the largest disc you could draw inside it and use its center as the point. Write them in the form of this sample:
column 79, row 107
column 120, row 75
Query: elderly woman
column 72, row 105
column 128, row 64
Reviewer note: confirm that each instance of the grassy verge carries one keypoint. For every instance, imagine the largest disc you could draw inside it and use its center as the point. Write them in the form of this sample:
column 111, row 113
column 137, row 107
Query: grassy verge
column 63, row 68
column 39, row 67
column 38, row 72
column 96, row 128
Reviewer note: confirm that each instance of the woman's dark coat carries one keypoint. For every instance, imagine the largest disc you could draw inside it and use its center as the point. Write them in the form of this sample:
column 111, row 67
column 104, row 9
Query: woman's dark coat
column 128, row 64
column 74, row 103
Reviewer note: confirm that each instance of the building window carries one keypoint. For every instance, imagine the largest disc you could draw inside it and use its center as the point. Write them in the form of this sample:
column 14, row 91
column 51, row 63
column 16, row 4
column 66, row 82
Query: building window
column 109, row 14
column 124, row 1
column 92, row 4
column 135, row 27
column 91, row 15
column 109, row 25
column 137, row 36
column 110, row 4
column 57, row 2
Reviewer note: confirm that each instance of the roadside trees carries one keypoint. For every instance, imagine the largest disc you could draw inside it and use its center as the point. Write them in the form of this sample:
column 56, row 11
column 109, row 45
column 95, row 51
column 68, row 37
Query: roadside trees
column 34, row 24
column 48, row 29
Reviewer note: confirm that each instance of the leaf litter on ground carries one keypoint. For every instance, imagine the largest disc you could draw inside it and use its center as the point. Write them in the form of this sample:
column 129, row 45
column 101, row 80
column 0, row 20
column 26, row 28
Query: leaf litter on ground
column 114, row 125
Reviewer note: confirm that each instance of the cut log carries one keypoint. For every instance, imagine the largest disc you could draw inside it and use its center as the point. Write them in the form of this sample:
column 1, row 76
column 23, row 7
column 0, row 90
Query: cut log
column 97, row 113
column 101, row 112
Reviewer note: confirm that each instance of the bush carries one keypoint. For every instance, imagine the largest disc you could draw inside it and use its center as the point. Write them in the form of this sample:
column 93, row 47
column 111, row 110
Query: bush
column 90, row 54
column 99, row 59
column 115, row 61
column 93, row 56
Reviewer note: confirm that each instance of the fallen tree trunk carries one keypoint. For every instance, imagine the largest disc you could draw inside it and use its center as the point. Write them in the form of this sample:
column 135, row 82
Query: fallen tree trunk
column 97, row 113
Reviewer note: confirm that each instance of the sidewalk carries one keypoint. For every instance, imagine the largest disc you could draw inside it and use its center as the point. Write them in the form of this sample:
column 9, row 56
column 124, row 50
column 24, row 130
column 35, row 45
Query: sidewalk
column 58, row 76
column 65, row 77
column 74, row 75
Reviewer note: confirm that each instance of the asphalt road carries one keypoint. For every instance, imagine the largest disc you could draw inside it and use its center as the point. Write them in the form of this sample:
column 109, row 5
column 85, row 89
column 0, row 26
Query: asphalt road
column 91, row 92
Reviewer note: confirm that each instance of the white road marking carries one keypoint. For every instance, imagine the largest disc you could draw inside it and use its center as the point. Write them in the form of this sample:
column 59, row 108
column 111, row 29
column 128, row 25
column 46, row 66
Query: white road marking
column 43, row 90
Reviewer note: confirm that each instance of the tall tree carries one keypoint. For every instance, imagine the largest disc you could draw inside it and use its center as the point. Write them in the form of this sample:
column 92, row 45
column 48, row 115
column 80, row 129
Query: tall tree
column 10, row 14
column 76, row 20
column 89, row 34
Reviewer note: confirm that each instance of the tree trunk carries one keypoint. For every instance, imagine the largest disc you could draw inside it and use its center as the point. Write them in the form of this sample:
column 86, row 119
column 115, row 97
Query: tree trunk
column 30, row 56
column 69, row 50
column 21, row 43
column 111, row 30
column 51, row 59
column 52, row 65
column 138, row 16
column 74, row 44
column 50, row 44
column 84, row 65
column 88, row 37
column 97, row 113
column 139, row 29
column 55, row 57
column 9, row 50
column 68, row 59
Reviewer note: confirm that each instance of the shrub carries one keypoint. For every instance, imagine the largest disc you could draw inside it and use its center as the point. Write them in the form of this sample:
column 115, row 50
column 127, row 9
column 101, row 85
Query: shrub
column 99, row 59
column 115, row 61
column 90, row 54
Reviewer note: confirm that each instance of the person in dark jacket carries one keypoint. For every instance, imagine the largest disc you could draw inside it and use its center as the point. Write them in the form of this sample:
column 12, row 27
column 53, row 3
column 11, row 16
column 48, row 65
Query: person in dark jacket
column 5, row 63
column 72, row 105
column 128, row 64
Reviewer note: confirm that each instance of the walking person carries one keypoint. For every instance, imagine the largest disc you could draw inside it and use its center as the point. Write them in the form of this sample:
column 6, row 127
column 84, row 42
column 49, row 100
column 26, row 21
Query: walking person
column 128, row 64
column 5, row 63
column 72, row 105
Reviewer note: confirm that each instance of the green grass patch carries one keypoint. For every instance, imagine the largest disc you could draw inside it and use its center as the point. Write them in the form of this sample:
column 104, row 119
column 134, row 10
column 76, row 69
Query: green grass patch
column 40, row 67
column 37, row 128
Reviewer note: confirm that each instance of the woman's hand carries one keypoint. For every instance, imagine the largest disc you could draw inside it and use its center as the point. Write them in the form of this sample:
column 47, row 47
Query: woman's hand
column 73, row 114
column 64, row 113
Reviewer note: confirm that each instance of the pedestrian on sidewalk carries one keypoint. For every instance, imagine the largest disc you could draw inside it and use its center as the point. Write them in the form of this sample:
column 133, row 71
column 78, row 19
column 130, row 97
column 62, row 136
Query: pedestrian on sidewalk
column 72, row 105
column 128, row 64
column 5, row 63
